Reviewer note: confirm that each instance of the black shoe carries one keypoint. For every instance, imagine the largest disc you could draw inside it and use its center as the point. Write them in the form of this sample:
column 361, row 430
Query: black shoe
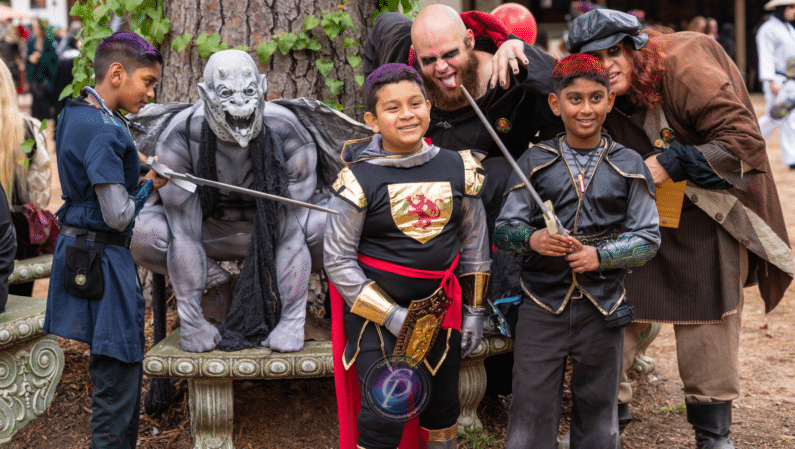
column 624, row 417
column 709, row 440
column 712, row 423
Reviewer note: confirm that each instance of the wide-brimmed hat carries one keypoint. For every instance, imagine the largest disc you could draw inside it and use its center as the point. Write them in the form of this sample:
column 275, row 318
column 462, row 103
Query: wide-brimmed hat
column 771, row 5
column 602, row 28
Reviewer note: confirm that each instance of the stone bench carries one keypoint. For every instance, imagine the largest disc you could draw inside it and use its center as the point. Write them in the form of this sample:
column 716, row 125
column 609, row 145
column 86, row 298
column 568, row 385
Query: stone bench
column 210, row 376
column 31, row 363
column 28, row 270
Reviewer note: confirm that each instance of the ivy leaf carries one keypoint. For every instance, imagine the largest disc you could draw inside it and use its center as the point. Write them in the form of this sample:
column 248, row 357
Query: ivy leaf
column 349, row 42
column 286, row 42
column 324, row 66
column 334, row 85
column 265, row 50
column 354, row 60
column 332, row 28
column 301, row 42
column 359, row 79
column 43, row 126
column 180, row 42
column 333, row 105
column 27, row 145
column 132, row 5
column 209, row 44
column 66, row 92
column 241, row 48
column 23, row 161
column 313, row 44
column 311, row 22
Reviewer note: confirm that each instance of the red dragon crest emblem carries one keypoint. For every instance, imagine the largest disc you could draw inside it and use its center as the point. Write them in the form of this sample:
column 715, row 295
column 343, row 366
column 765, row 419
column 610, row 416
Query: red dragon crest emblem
column 421, row 209
column 425, row 209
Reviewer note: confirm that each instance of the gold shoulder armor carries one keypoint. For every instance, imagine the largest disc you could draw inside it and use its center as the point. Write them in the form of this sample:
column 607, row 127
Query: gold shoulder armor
column 474, row 175
column 347, row 187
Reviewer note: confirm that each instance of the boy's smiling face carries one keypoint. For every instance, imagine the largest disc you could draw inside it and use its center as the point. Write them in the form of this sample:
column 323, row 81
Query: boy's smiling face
column 402, row 117
column 137, row 88
column 583, row 106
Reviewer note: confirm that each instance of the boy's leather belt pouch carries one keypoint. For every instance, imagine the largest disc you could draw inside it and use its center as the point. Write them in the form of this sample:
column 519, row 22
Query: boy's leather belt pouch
column 83, row 275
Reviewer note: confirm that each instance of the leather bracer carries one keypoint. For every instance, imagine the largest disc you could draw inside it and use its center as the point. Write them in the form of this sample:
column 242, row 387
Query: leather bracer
column 625, row 252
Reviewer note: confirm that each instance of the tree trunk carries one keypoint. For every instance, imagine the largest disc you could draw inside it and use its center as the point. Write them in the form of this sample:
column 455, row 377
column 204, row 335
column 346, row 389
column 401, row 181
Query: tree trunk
column 248, row 22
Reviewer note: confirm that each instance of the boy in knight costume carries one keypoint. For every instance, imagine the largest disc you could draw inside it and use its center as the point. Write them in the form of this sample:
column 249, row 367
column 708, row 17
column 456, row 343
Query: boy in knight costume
column 93, row 296
column 409, row 216
column 574, row 300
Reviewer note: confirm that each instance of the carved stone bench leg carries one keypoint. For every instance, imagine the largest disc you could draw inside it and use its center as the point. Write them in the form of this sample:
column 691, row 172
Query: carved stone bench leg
column 211, row 413
column 29, row 374
column 644, row 365
column 471, row 389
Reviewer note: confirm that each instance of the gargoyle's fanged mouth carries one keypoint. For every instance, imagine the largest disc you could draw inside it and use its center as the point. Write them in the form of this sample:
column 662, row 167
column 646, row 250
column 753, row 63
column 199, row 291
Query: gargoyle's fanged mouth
column 240, row 125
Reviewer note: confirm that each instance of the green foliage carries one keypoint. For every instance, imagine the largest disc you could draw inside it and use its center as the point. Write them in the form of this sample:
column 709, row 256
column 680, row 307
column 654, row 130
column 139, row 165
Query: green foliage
column 27, row 145
column 478, row 438
column 678, row 410
column 146, row 18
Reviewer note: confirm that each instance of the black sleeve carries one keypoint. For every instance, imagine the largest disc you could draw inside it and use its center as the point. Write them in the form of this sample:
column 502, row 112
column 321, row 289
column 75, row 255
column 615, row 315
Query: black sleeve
column 685, row 162
column 538, row 81
column 8, row 248
column 389, row 41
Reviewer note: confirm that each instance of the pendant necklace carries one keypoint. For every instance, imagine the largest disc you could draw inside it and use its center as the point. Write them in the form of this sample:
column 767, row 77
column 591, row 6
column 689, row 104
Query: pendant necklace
column 582, row 169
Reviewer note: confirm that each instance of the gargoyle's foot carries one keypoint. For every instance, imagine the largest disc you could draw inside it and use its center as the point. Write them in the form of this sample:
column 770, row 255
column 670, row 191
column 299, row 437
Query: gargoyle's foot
column 287, row 336
column 216, row 302
column 203, row 338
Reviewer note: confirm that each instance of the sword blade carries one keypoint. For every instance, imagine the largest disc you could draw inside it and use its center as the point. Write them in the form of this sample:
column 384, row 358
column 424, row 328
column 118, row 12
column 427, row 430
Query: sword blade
column 548, row 215
column 171, row 175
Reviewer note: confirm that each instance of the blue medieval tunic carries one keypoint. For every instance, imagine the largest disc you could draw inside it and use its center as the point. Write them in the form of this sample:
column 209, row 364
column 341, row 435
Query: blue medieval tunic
column 93, row 148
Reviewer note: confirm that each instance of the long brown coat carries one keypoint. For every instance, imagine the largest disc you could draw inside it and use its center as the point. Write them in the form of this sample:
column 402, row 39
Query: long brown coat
column 705, row 102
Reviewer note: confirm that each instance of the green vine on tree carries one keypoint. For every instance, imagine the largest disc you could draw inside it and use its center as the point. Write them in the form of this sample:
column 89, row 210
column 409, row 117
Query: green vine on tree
column 147, row 19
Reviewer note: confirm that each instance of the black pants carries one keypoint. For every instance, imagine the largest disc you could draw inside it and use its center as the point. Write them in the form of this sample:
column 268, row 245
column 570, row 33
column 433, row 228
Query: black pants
column 543, row 341
column 116, row 409
column 378, row 432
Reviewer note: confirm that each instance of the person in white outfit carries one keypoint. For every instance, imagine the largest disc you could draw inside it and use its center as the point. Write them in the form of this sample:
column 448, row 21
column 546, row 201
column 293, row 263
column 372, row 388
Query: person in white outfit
column 775, row 43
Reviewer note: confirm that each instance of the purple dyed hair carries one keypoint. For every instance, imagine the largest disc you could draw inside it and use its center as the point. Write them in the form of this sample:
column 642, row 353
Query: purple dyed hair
column 389, row 74
column 127, row 48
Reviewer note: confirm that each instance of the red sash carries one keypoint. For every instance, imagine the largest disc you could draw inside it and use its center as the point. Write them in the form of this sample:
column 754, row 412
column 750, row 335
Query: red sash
column 346, row 383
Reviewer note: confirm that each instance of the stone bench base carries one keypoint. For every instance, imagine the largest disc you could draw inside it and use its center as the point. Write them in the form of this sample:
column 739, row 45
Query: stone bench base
column 210, row 376
column 31, row 364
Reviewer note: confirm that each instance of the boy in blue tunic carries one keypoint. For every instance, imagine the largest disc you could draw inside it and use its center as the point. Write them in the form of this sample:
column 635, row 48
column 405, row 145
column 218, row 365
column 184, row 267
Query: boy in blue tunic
column 93, row 296
column 573, row 301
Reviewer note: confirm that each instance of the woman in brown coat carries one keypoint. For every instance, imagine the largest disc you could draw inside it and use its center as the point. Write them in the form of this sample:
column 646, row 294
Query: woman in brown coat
column 682, row 104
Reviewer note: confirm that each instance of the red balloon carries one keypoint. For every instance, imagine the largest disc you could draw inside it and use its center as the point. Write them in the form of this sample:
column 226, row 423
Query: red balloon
column 518, row 19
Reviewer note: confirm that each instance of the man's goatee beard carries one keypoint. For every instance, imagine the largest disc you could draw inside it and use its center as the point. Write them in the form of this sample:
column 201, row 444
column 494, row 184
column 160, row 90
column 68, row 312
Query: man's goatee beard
column 446, row 100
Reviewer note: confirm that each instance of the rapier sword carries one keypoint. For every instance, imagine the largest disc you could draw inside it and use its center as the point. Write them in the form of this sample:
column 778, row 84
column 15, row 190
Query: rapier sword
column 553, row 223
column 189, row 182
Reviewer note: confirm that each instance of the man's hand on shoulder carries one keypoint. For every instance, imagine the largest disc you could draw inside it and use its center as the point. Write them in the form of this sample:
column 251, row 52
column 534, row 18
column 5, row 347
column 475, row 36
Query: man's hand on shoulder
column 506, row 61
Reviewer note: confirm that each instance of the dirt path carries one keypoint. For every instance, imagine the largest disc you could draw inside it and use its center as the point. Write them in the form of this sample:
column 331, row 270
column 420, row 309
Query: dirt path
column 302, row 414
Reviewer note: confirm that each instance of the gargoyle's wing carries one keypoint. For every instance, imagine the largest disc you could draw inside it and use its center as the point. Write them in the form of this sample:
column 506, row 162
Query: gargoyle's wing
column 149, row 123
column 330, row 129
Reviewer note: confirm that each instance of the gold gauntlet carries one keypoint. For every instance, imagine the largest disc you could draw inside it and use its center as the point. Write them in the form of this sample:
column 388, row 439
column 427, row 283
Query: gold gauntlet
column 473, row 289
column 373, row 304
